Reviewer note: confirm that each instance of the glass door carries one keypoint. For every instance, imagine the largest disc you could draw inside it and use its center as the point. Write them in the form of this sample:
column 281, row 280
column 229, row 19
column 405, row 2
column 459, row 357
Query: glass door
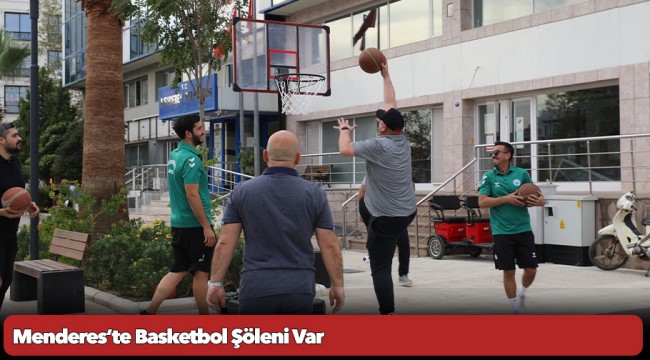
column 488, row 131
column 520, row 131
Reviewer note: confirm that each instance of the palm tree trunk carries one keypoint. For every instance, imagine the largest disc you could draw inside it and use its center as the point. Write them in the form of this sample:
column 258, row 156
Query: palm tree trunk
column 103, row 148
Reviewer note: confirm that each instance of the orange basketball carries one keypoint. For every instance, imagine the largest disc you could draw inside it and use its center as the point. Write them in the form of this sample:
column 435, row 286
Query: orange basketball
column 16, row 200
column 528, row 189
column 370, row 60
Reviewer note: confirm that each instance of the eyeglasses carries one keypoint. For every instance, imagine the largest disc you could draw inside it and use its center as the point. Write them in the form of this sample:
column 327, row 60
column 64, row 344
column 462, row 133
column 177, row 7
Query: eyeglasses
column 497, row 152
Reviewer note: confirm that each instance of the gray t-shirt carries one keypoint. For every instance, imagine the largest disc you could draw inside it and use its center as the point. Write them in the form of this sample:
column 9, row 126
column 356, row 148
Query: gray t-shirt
column 279, row 212
column 389, row 185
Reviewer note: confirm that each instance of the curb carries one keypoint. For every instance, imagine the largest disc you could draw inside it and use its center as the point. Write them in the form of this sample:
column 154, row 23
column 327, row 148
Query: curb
column 128, row 307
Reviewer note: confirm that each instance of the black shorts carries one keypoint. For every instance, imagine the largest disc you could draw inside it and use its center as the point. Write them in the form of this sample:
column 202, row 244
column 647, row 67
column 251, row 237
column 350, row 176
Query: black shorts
column 190, row 252
column 514, row 248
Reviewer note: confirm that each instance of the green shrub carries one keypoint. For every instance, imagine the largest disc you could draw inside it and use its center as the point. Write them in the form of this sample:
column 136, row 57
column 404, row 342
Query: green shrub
column 130, row 260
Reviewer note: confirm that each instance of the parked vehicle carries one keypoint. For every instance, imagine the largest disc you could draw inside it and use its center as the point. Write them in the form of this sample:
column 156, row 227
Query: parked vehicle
column 621, row 239
column 469, row 232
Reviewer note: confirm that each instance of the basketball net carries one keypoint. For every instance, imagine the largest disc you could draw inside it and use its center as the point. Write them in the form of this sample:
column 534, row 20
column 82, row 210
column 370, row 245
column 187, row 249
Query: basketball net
column 297, row 91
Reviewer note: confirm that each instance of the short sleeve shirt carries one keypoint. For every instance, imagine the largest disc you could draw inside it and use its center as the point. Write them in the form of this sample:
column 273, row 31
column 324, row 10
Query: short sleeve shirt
column 279, row 212
column 506, row 219
column 185, row 167
column 389, row 183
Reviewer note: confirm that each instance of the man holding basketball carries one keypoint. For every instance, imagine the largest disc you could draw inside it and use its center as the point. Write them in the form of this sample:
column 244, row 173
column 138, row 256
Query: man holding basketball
column 390, row 196
column 514, row 242
column 10, row 176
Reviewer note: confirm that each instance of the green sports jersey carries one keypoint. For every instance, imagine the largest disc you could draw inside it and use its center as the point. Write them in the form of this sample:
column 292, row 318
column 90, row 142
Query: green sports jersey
column 185, row 167
column 506, row 218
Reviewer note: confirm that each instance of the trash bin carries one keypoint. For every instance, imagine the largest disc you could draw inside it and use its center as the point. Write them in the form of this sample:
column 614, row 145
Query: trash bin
column 569, row 229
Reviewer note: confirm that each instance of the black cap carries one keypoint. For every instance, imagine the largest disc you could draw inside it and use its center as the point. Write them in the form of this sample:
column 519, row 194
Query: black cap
column 392, row 118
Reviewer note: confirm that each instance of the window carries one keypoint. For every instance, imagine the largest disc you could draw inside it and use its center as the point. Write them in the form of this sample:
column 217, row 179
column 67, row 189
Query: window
column 576, row 114
column 163, row 78
column 54, row 60
column 495, row 11
column 396, row 23
column 137, row 155
column 13, row 94
column 419, row 131
column 75, row 43
column 137, row 46
column 135, row 93
column 54, row 28
column 18, row 25
column 23, row 69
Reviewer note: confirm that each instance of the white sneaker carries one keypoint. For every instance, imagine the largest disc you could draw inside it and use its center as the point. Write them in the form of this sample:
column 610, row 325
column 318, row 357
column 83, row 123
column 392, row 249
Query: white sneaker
column 405, row 281
column 522, row 303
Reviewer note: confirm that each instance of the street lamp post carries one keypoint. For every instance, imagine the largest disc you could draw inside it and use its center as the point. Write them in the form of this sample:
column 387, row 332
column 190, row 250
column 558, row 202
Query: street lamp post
column 34, row 124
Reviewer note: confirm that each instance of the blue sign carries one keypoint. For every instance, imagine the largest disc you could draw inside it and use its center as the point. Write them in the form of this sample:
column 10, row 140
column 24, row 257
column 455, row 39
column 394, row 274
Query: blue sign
column 173, row 103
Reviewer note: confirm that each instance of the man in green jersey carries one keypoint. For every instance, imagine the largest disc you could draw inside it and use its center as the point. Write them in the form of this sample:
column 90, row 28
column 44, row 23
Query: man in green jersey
column 193, row 238
column 512, row 234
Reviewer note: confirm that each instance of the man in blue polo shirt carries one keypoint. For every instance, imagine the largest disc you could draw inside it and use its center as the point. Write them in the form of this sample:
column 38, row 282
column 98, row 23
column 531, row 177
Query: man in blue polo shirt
column 193, row 238
column 279, row 213
column 514, row 242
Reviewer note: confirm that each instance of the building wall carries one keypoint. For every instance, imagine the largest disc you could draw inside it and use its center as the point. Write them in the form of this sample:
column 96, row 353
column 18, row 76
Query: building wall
column 589, row 44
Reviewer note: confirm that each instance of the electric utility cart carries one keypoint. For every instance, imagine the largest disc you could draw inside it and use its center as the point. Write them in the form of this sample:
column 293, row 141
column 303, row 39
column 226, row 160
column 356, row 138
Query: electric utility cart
column 458, row 226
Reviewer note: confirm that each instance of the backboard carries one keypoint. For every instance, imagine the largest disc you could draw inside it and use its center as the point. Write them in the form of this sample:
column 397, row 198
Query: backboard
column 263, row 49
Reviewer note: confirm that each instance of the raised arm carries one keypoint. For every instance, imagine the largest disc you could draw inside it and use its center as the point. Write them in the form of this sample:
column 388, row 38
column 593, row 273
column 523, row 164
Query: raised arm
column 389, row 89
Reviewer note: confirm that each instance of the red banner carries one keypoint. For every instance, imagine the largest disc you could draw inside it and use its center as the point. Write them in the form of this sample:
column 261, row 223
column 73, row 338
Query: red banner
column 80, row 335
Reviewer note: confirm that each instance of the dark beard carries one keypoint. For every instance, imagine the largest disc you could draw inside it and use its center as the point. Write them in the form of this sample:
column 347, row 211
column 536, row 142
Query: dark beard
column 14, row 151
column 197, row 140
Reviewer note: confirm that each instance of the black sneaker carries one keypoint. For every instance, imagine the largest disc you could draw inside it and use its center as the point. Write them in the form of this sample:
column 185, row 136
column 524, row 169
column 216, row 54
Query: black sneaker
column 145, row 312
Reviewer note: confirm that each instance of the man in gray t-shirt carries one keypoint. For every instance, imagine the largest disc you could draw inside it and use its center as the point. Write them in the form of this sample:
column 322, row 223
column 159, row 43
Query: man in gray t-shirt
column 279, row 213
column 390, row 196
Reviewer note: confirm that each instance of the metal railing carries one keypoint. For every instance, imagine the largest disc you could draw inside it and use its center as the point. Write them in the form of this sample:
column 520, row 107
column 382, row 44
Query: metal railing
column 606, row 164
column 147, row 177
column 222, row 181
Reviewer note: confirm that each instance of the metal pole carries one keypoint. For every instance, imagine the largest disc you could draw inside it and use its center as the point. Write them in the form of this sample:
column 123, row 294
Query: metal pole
column 256, row 133
column 34, row 124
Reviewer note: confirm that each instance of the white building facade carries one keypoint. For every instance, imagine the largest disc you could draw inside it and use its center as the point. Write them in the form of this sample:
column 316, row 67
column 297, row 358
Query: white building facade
column 466, row 73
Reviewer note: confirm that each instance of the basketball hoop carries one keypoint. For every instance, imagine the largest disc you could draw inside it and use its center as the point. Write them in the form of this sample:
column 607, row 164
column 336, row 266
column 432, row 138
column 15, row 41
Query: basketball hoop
column 297, row 91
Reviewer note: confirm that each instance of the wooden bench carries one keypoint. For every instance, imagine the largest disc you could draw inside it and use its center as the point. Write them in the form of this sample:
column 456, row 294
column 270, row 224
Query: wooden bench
column 320, row 173
column 57, row 287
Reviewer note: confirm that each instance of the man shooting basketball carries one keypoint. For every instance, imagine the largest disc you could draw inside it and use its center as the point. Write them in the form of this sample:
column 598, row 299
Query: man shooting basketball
column 390, row 196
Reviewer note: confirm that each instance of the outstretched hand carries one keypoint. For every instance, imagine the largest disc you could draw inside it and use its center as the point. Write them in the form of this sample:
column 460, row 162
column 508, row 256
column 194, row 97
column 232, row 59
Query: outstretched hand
column 343, row 122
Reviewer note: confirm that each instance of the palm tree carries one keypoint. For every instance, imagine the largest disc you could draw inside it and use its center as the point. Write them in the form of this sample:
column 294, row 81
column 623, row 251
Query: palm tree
column 103, row 147
column 11, row 56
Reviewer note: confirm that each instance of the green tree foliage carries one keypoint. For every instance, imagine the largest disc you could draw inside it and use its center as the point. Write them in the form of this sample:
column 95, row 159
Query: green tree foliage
column 61, row 131
column 187, row 32
column 11, row 55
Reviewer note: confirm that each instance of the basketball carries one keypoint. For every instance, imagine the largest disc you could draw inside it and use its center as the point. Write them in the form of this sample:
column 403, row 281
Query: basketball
column 528, row 189
column 370, row 60
column 16, row 200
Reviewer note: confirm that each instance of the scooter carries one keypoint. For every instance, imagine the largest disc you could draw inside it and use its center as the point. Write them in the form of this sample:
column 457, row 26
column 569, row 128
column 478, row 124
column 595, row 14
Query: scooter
column 621, row 239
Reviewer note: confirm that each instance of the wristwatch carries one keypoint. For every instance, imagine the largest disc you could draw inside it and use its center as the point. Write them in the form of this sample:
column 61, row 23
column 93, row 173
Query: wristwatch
column 215, row 284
